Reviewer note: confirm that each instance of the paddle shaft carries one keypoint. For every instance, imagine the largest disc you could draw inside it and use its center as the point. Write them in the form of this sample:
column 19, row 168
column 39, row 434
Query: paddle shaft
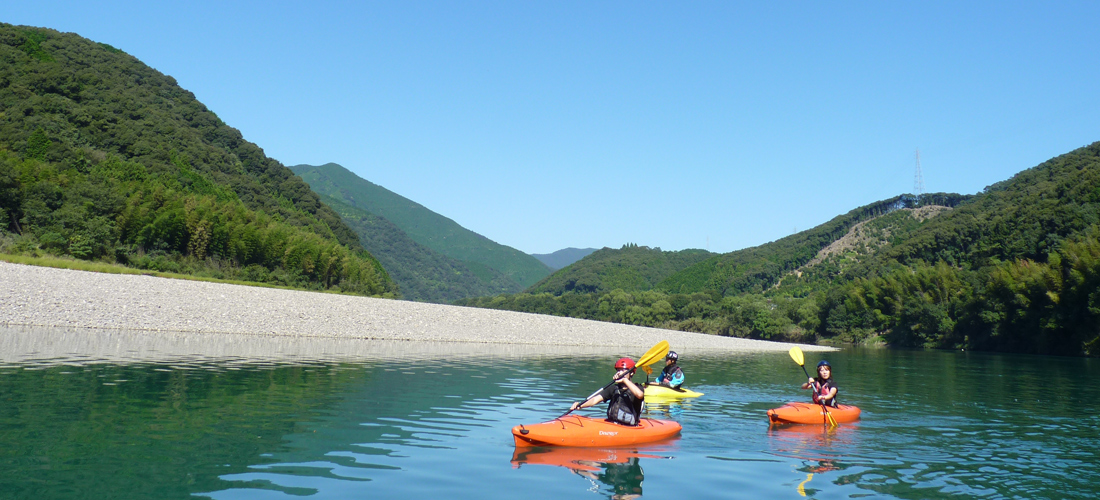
column 590, row 396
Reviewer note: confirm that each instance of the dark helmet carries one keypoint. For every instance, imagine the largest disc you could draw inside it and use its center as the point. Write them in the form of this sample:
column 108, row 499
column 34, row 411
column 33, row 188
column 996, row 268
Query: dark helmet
column 824, row 363
column 672, row 355
column 624, row 364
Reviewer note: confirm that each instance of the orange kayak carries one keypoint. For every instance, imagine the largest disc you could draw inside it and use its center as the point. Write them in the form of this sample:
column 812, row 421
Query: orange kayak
column 810, row 413
column 575, row 430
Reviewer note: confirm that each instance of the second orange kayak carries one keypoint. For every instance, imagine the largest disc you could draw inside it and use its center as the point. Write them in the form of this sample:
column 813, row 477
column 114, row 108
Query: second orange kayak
column 810, row 413
column 575, row 430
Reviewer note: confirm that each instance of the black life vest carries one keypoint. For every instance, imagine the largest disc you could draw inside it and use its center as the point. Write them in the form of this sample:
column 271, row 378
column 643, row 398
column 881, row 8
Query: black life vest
column 623, row 407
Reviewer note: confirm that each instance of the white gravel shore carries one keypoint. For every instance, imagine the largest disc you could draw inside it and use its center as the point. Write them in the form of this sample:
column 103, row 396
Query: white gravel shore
column 48, row 297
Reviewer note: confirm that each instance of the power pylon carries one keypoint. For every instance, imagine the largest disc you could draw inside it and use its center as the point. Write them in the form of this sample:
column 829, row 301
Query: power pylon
column 918, row 180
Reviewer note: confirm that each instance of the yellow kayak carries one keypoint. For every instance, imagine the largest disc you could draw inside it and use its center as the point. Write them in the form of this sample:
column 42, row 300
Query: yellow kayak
column 653, row 391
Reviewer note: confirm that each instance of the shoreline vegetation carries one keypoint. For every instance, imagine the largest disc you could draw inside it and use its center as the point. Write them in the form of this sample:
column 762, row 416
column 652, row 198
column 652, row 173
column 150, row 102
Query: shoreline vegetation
column 73, row 299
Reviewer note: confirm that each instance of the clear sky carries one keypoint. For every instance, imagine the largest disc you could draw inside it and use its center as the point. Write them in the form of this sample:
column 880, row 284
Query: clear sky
column 546, row 125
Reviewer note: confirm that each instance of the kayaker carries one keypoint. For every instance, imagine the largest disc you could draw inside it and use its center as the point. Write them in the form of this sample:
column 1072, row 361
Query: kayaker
column 824, row 387
column 624, row 397
column 672, row 376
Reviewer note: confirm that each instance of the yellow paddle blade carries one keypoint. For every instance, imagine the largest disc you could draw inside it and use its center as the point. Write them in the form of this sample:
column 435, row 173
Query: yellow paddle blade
column 802, row 485
column 829, row 417
column 654, row 354
column 796, row 355
column 648, row 370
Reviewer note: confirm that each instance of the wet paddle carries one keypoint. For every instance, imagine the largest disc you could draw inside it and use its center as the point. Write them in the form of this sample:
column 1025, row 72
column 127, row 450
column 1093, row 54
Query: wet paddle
column 651, row 356
column 796, row 355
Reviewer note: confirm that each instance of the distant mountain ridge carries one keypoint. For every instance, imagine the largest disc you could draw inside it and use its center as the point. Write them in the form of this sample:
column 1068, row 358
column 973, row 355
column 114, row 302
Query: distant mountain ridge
column 421, row 273
column 1015, row 268
column 631, row 267
column 563, row 257
column 481, row 255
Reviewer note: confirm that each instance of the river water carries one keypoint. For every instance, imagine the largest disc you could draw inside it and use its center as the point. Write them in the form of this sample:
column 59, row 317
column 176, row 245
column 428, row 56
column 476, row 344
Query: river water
column 128, row 415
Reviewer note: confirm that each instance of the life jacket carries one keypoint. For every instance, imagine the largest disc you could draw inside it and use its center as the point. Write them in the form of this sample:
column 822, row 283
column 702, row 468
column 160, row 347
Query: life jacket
column 623, row 407
column 669, row 373
column 823, row 387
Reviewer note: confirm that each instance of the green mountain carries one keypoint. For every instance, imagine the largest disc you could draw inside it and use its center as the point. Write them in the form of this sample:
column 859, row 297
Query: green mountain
column 563, row 257
column 421, row 273
column 632, row 267
column 1015, row 268
column 758, row 268
column 425, row 227
column 103, row 157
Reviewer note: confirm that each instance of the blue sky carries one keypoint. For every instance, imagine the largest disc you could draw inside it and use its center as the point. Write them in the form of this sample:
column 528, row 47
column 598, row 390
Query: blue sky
column 717, row 125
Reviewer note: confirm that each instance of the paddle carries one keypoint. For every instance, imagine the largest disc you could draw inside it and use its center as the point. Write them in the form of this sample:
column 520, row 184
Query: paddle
column 796, row 355
column 651, row 356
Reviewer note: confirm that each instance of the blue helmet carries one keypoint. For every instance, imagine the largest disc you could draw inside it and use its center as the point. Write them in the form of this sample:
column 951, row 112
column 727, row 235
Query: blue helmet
column 824, row 363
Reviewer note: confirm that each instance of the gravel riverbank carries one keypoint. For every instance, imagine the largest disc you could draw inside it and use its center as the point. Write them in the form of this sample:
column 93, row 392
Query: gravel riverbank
column 48, row 297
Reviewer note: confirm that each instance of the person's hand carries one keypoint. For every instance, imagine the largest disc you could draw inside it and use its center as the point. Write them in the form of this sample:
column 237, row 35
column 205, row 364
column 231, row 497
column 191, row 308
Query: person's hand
column 576, row 404
column 620, row 376
column 811, row 382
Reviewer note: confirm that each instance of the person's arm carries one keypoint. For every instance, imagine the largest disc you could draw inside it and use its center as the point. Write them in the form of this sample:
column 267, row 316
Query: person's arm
column 827, row 395
column 809, row 385
column 677, row 379
column 594, row 400
column 634, row 389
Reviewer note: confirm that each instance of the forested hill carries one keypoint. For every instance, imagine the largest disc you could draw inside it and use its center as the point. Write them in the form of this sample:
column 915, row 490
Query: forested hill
column 424, row 226
column 631, row 267
column 1015, row 268
column 422, row 273
column 759, row 268
column 105, row 158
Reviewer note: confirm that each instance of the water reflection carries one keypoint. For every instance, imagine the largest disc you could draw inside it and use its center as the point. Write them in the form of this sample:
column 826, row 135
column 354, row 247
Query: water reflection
column 128, row 415
column 619, row 470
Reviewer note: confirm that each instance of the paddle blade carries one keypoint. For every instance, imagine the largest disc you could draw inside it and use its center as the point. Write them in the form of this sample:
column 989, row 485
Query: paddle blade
column 829, row 417
column 654, row 354
column 796, row 355
column 648, row 370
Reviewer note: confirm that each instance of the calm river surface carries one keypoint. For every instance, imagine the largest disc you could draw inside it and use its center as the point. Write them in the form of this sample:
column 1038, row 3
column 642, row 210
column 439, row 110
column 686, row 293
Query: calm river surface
column 126, row 416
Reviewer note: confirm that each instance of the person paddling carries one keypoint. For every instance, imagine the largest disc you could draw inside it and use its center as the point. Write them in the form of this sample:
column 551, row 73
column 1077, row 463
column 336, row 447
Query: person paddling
column 672, row 376
column 624, row 397
column 824, row 387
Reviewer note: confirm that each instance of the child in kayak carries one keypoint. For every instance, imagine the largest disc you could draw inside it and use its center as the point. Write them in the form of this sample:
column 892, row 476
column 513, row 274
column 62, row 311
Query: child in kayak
column 623, row 396
column 824, row 388
column 672, row 376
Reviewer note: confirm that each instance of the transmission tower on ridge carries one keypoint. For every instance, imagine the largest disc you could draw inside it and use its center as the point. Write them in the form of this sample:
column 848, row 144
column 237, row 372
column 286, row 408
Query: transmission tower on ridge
column 918, row 180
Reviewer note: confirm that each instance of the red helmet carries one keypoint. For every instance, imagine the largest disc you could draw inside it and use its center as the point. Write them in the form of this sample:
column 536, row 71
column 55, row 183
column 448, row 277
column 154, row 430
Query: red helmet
column 624, row 364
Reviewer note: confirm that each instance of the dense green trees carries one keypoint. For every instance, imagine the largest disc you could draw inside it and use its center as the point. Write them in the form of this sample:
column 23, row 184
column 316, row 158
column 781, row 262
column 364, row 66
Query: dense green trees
column 102, row 157
column 1014, row 269
column 631, row 267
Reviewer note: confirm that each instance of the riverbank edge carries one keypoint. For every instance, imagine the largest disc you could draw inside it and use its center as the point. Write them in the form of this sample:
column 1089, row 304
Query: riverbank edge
column 63, row 298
